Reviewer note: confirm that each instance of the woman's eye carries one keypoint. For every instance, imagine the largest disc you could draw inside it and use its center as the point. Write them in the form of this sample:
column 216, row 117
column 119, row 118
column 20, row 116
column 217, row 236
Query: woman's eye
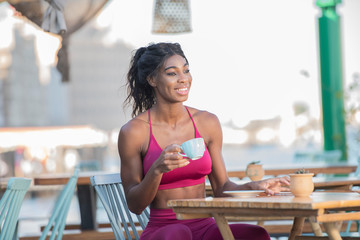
column 171, row 74
column 187, row 70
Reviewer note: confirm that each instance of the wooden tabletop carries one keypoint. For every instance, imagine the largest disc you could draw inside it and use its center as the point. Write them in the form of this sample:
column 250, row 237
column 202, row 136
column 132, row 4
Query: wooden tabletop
column 3, row 183
column 344, row 184
column 276, row 170
column 317, row 200
column 63, row 178
column 314, row 207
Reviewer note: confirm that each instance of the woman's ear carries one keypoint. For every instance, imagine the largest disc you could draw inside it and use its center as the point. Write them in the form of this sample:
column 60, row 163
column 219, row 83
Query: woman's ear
column 151, row 81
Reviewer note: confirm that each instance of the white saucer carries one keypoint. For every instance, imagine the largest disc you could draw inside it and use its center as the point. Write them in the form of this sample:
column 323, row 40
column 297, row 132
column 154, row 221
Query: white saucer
column 244, row 193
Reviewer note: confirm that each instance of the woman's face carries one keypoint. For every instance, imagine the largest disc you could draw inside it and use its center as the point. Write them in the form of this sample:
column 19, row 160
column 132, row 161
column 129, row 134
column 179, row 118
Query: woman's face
column 173, row 81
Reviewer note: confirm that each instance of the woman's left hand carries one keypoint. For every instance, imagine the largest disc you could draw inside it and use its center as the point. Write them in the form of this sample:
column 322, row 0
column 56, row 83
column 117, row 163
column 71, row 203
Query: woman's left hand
column 273, row 185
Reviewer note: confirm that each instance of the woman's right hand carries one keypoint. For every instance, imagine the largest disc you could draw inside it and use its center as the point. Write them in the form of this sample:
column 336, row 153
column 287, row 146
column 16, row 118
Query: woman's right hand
column 170, row 159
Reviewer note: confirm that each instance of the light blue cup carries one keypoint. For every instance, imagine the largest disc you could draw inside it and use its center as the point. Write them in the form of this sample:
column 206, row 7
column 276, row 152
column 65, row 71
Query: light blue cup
column 193, row 149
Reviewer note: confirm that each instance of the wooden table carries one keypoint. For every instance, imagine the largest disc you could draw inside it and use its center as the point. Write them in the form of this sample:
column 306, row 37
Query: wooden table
column 285, row 169
column 336, row 183
column 85, row 192
column 320, row 183
column 3, row 183
column 324, row 207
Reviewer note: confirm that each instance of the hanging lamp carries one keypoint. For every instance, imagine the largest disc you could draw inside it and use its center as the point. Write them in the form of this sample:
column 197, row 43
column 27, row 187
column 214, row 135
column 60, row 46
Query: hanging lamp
column 172, row 16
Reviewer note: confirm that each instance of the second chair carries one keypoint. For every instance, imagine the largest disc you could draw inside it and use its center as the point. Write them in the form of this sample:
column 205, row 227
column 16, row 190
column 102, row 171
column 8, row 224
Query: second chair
column 111, row 194
column 61, row 208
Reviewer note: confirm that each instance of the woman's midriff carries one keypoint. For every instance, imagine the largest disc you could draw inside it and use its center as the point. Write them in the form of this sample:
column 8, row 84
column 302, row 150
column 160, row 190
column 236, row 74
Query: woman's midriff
column 162, row 196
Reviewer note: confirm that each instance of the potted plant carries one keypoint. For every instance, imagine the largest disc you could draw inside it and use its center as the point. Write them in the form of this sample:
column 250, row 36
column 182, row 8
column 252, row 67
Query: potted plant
column 255, row 171
column 301, row 183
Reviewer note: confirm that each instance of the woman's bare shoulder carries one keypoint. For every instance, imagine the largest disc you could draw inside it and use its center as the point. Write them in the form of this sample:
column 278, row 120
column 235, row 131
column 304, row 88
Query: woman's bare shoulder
column 203, row 116
column 207, row 124
column 135, row 127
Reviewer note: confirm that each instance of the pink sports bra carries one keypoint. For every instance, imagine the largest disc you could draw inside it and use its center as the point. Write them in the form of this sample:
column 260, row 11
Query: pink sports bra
column 190, row 175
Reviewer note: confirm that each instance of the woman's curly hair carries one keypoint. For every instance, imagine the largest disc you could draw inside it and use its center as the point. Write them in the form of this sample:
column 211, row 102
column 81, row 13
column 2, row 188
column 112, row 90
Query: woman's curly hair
column 145, row 63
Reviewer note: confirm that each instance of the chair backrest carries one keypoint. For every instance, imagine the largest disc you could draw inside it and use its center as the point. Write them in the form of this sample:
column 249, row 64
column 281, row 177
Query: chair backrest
column 111, row 194
column 10, row 205
column 60, row 211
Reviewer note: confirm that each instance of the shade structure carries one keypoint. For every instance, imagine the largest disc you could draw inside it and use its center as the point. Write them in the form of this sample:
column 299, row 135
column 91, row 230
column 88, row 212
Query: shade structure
column 54, row 19
column 172, row 16
column 63, row 17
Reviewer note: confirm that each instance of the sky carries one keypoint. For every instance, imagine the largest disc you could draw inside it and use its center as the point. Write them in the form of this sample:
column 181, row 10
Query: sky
column 249, row 59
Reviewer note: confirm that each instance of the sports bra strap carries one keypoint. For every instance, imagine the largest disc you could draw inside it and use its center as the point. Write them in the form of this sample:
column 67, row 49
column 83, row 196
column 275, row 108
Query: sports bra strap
column 196, row 131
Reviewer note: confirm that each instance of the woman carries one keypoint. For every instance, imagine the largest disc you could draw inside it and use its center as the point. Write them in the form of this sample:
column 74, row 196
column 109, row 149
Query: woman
column 152, row 170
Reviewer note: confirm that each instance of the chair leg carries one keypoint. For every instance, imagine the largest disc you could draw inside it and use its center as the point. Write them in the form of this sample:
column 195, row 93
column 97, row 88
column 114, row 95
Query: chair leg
column 348, row 226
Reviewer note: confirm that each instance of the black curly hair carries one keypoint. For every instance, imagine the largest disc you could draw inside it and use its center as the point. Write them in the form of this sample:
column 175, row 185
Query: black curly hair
column 145, row 63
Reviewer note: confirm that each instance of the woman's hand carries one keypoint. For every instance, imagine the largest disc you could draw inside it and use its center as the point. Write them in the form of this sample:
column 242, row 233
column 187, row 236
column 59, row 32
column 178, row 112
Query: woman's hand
column 273, row 185
column 170, row 159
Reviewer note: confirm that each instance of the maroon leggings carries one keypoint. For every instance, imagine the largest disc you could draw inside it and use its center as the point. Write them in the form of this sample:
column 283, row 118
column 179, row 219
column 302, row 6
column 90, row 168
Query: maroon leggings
column 163, row 225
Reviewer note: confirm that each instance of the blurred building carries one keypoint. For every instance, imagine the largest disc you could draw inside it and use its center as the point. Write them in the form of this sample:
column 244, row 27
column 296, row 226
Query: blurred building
column 25, row 101
column 97, row 86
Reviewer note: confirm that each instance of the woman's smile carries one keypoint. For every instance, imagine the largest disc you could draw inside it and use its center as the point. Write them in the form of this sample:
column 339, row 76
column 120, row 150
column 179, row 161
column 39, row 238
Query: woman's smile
column 182, row 91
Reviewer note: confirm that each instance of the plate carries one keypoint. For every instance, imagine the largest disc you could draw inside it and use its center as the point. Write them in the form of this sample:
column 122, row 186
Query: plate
column 244, row 193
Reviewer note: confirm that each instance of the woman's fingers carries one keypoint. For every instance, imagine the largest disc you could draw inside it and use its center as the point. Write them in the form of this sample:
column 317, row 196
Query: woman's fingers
column 269, row 191
column 174, row 160
column 275, row 185
column 173, row 148
column 171, row 158
column 285, row 180
column 285, row 189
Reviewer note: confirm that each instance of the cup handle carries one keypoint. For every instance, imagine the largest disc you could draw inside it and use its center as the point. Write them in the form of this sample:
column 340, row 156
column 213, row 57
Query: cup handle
column 182, row 154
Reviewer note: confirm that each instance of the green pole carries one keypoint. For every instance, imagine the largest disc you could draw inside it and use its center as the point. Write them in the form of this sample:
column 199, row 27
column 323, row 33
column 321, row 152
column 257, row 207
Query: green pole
column 333, row 112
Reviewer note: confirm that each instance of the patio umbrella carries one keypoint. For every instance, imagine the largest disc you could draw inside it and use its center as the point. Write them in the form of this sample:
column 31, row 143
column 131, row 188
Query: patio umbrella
column 61, row 17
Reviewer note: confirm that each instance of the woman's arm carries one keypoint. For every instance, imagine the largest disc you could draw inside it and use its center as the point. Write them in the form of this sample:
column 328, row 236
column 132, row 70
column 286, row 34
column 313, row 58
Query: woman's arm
column 139, row 194
column 141, row 190
column 210, row 128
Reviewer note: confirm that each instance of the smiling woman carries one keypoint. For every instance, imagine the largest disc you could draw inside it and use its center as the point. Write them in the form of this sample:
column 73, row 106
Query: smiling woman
column 142, row 85
column 153, row 166
column 175, row 71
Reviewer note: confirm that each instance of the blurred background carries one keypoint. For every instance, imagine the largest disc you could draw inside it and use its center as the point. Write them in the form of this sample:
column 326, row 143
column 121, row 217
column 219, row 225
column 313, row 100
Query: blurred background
column 255, row 64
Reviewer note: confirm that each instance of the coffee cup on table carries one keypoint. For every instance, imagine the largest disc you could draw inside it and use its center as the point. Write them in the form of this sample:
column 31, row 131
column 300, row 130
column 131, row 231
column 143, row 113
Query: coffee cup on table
column 193, row 148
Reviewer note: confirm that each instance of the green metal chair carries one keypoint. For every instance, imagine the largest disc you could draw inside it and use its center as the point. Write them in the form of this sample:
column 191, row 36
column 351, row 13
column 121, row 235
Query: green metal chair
column 111, row 194
column 61, row 208
column 10, row 205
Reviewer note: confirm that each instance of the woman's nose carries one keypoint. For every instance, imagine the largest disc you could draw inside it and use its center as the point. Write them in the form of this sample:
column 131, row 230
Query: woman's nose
column 183, row 78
